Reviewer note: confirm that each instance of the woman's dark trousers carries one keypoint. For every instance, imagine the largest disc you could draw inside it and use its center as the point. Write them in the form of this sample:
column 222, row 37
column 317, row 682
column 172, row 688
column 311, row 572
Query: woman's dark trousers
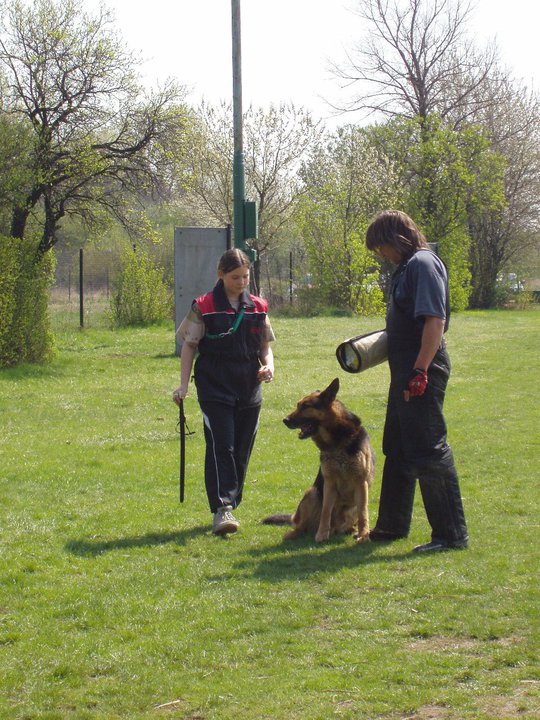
column 230, row 432
column 414, row 444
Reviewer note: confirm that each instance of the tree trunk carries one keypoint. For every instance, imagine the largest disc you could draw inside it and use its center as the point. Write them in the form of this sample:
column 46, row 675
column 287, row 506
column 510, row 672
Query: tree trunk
column 18, row 222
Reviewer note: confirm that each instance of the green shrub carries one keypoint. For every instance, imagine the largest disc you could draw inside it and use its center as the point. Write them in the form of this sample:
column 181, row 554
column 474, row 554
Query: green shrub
column 505, row 296
column 141, row 296
column 525, row 299
column 25, row 279
column 8, row 279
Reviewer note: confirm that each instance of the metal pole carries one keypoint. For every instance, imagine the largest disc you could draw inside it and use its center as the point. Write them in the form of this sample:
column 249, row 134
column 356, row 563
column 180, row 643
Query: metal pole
column 81, row 289
column 238, row 158
column 290, row 278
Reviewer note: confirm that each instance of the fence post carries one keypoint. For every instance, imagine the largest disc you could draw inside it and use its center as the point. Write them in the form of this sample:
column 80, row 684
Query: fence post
column 290, row 278
column 81, row 289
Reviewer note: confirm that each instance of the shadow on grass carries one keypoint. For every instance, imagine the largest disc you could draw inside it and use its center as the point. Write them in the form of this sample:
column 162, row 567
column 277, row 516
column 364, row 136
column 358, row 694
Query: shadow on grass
column 27, row 371
column 90, row 548
column 301, row 558
column 164, row 356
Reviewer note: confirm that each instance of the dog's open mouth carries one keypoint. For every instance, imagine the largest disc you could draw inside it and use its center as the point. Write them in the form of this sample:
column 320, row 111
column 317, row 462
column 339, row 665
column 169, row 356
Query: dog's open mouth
column 308, row 428
column 307, row 431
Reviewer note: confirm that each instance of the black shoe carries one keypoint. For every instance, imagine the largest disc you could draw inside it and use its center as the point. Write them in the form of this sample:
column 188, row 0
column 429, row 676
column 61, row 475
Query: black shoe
column 384, row 535
column 438, row 546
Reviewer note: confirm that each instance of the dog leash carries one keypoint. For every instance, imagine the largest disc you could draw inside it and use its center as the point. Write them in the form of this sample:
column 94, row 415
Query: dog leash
column 231, row 330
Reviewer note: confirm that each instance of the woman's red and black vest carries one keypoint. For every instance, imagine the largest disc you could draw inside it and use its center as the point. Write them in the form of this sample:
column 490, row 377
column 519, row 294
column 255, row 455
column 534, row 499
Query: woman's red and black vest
column 228, row 362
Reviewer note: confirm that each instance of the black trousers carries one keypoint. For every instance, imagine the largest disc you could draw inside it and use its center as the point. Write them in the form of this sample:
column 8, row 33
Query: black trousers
column 230, row 432
column 415, row 447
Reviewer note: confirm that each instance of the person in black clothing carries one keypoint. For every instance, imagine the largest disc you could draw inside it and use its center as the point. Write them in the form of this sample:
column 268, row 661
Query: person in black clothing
column 414, row 439
column 230, row 330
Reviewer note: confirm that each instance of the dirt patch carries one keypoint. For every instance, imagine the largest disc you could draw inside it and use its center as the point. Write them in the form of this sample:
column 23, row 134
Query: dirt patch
column 439, row 644
column 430, row 712
column 523, row 703
column 427, row 712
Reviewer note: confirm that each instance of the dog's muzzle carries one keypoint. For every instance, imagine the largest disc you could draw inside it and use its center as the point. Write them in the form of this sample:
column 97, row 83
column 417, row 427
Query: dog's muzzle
column 307, row 429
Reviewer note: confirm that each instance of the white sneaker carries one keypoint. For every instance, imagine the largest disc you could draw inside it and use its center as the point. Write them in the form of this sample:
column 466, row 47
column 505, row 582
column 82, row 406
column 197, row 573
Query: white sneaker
column 224, row 521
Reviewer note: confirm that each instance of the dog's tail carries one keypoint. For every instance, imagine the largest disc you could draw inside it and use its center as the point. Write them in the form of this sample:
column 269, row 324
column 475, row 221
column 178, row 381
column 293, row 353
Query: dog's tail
column 278, row 520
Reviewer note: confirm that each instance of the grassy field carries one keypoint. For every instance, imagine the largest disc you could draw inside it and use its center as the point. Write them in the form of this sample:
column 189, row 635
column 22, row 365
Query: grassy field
column 116, row 602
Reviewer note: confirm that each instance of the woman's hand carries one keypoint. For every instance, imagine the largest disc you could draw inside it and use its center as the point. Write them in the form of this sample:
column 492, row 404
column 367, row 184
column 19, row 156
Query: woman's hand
column 179, row 394
column 265, row 374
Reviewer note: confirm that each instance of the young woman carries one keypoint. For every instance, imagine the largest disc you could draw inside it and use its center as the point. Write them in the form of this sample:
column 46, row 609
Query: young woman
column 230, row 330
column 414, row 440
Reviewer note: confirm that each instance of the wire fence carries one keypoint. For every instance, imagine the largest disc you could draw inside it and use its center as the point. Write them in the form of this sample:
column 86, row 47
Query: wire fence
column 84, row 283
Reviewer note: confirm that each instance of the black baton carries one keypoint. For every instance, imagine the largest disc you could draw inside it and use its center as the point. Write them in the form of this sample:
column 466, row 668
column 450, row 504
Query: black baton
column 182, row 423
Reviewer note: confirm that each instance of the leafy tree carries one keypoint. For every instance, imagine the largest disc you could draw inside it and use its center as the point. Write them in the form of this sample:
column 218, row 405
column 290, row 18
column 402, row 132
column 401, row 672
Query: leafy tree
column 447, row 174
column 91, row 144
column 95, row 140
column 346, row 182
column 508, row 236
column 15, row 146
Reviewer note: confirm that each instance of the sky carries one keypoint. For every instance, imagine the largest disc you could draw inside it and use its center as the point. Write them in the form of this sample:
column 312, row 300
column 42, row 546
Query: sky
column 288, row 46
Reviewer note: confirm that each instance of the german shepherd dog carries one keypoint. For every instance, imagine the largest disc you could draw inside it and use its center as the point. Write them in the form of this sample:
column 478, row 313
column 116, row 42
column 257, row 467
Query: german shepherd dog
column 337, row 502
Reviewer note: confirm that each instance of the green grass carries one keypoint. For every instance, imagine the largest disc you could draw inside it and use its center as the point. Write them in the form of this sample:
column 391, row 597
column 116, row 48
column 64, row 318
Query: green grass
column 116, row 602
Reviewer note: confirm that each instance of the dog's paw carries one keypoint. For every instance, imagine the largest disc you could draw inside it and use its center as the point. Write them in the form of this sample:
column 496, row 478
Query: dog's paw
column 291, row 535
column 322, row 536
column 362, row 538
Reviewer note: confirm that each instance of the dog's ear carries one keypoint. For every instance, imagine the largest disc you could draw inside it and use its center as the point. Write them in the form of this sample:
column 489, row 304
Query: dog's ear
column 331, row 391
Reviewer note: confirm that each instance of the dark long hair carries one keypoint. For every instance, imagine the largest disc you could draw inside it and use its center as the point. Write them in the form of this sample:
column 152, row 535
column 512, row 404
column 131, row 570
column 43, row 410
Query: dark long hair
column 395, row 228
column 233, row 259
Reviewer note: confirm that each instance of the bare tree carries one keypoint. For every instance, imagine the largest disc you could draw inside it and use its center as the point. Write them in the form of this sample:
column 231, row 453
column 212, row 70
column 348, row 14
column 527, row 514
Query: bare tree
column 275, row 142
column 416, row 59
column 211, row 164
column 96, row 139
